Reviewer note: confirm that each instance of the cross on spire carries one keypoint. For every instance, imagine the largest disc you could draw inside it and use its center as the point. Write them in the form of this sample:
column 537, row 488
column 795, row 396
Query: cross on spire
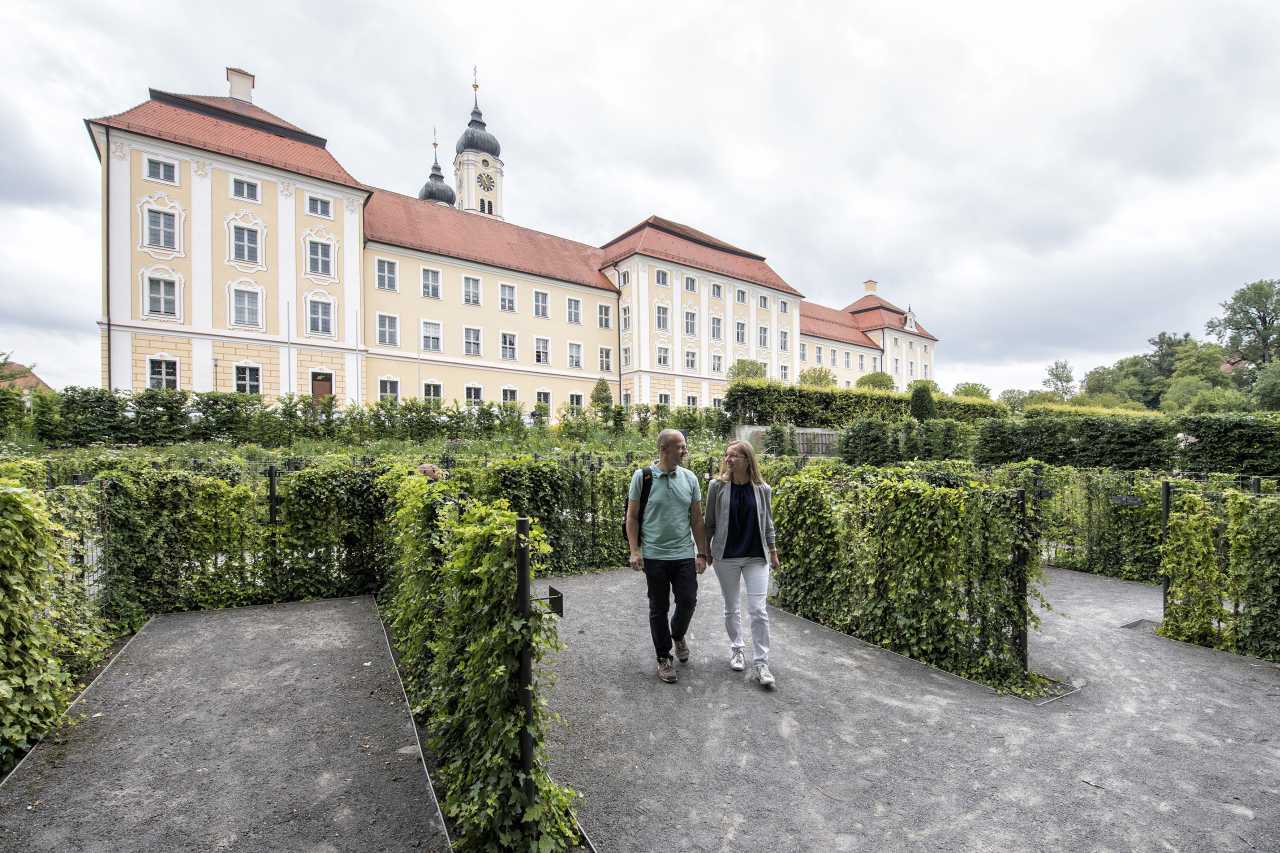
column 475, row 84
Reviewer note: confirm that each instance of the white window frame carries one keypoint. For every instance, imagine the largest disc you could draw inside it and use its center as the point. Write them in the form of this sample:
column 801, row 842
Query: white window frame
column 664, row 357
column 320, row 235
column 389, row 378
column 664, row 399
column 235, row 380
column 626, row 318
column 741, row 297
column 466, row 396
column 569, row 355
column 626, row 356
column 661, row 318
column 764, row 302
column 546, row 304
column 782, row 306
column 687, row 315
column 168, row 274
column 390, row 265
column 604, row 358
column 569, row 311
column 784, row 341
column 691, row 400
column 177, row 369
column 515, row 346
column 515, row 305
column 479, row 303
column 817, row 354
column 146, row 169
column 717, row 363
column 690, row 280
column 691, row 355
column 257, row 188
column 782, row 372
column 862, row 362
column 740, row 332
column 762, row 337
column 438, row 384
column 624, row 278
column 379, row 316
column 537, row 393
column 246, row 286
column 479, row 341
column 717, row 290
column 422, row 271
column 515, row 394
column 604, row 315
column 661, row 278
column 249, row 220
column 577, row 401
column 848, row 360
column 546, row 349
column 161, row 203
column 804, row 351
column 422, row 334
column 717, row 328
column 327, row 199
column 320, row 296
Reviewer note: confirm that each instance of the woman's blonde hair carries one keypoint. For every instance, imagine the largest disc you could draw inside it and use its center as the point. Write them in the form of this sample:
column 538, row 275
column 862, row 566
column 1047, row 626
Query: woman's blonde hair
column 753, row 470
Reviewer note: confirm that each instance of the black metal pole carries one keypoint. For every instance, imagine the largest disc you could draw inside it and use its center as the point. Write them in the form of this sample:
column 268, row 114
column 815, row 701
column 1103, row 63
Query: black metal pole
column 1021, row 580
column 273, row 507
column 1166, row 500
column 526, row 657
column 1256, row 485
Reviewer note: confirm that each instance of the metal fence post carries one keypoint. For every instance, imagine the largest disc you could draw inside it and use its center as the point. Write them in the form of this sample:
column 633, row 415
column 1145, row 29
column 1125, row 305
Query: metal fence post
column 1166, row 501
column 1255, row 485
column 1020, row 582
column 273, row 520
column 526, row 657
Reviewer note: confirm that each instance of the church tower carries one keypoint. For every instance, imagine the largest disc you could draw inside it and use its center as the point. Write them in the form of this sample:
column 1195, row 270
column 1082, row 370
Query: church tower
column 477, row 171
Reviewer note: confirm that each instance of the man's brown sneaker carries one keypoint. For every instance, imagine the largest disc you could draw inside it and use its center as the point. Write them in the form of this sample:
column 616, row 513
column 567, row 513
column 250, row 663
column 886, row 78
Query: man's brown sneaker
column 682, row 651
column 667, row 671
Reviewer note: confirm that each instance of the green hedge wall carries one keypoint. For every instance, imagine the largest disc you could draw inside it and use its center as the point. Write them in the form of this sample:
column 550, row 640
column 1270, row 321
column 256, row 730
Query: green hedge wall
column 451, row 608
column 927, row 571
column 1081, row 441
column 763, row 402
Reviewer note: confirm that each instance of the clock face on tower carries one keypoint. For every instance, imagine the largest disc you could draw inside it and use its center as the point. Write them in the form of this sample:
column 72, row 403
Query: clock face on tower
column 485, row 180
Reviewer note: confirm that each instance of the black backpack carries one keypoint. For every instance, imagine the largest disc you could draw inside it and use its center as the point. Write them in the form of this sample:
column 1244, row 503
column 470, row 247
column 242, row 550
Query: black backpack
column 646, row 486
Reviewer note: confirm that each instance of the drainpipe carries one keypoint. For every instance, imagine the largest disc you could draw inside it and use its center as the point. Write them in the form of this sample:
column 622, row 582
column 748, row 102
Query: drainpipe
column 107, row 275
column 617, row 277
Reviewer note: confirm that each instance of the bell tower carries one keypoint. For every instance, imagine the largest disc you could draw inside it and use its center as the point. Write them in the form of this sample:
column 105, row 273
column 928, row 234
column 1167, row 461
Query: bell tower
column 477, row 169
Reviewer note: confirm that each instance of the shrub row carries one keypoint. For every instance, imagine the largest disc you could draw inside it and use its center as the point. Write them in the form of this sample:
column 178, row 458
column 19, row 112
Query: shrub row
column 927, row 571
column 871, row 441
column 763, row 402
column 77, row 417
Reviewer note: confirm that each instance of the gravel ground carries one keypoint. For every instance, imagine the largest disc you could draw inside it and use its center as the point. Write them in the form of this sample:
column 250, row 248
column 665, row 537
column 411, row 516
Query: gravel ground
column 258, row 728
column 1166, row 746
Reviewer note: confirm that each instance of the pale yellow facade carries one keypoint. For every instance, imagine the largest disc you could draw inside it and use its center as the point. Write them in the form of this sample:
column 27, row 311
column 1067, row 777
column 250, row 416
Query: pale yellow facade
column 240, row 276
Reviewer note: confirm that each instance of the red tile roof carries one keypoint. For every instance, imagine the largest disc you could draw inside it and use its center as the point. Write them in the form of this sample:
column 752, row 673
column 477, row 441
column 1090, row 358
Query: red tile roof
column 14, row 375
column 883, row 319
column 819, row 321
column 870, row 301
column 662, row 238
column 402, row 220
column 234, row 105
column 173, row 123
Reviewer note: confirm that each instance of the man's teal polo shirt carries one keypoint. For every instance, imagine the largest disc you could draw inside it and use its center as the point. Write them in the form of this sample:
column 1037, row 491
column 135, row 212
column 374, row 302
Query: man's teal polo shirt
column 666, row 532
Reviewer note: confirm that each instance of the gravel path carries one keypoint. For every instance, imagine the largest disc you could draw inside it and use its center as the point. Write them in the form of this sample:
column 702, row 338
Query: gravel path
column 1166, row 746
column 258, row 728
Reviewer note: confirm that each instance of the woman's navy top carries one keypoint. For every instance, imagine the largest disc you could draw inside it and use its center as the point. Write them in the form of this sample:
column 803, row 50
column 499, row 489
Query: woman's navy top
column 744, row 528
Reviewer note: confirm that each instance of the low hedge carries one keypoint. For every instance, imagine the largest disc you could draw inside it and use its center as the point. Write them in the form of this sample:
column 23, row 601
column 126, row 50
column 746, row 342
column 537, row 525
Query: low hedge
column 763, row 402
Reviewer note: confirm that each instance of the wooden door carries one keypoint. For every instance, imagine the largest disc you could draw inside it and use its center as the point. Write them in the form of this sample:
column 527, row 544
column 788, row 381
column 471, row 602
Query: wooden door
column 321, row 384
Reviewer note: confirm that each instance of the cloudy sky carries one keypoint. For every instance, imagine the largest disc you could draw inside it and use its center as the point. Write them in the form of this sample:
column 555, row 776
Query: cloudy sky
column 1037, row 183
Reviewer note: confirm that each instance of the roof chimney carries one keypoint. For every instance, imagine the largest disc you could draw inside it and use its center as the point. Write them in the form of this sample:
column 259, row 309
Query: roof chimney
column 869, row 285
column 241, row 84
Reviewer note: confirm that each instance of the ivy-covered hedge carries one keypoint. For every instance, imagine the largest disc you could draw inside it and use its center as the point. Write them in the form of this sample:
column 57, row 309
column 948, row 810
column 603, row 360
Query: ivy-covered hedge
column 927, row 571
column 763, row 402
column 1221, row 556
column 49, row 633
column 459, row 641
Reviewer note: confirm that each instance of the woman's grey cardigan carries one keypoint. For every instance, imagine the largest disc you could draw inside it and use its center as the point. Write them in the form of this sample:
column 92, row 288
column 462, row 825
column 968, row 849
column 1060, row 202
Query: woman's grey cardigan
column 717, row 510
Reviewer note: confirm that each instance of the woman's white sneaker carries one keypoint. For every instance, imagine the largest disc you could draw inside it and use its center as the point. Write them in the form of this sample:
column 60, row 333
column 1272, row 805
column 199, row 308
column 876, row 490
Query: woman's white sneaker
column 760, row 672
column 737, row 662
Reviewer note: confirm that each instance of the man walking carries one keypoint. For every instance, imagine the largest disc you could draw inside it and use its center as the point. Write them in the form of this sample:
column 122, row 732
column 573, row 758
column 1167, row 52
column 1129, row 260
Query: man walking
column 662, row 545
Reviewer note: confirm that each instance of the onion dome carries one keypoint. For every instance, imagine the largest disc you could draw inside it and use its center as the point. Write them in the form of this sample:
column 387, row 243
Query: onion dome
column 435, row 189
column 475, row 137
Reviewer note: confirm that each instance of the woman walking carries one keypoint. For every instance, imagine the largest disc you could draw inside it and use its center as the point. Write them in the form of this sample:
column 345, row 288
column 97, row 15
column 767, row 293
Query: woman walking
column 739, row 523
